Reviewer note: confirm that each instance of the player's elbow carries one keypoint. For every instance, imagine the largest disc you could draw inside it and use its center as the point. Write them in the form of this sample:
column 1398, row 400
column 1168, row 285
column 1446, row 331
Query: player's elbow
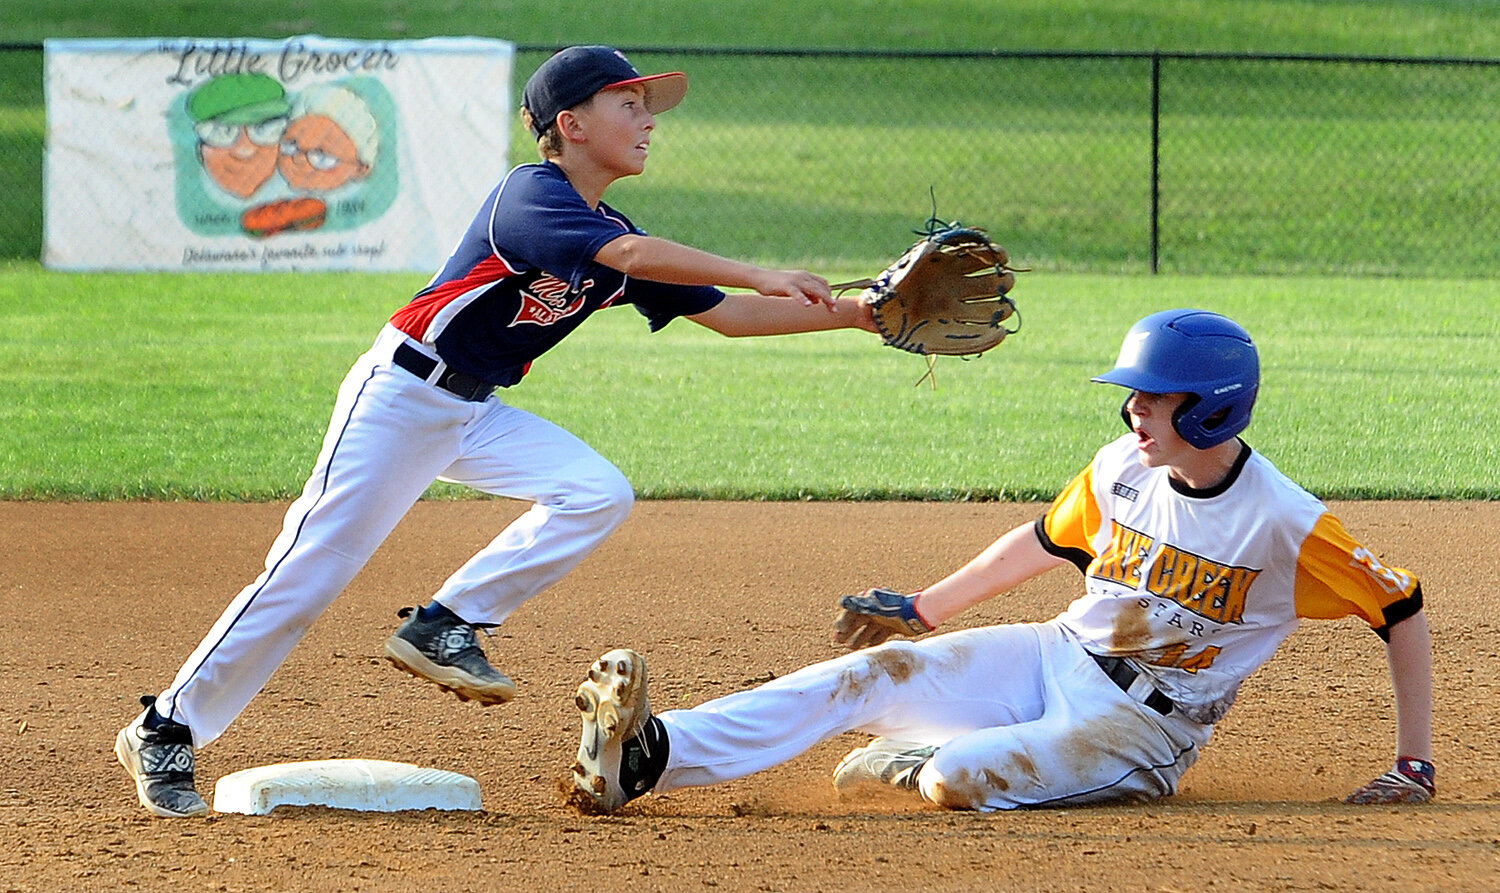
column 628, row 254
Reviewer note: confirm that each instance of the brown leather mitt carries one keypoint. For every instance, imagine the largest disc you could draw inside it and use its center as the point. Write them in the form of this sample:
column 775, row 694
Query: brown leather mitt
column 947, row 295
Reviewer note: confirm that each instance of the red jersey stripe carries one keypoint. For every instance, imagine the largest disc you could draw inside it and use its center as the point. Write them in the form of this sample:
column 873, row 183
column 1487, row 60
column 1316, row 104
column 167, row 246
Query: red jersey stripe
column 416, row 318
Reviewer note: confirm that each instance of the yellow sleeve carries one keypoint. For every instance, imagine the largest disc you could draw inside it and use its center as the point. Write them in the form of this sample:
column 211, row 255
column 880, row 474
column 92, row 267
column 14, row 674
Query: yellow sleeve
column 1337, row 577
column 1068, row 528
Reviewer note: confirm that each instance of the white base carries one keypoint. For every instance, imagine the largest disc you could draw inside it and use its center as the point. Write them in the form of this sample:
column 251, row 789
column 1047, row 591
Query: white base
column 366, row 785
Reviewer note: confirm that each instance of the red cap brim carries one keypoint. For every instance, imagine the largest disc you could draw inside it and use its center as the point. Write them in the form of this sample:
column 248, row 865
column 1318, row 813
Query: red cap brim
column 663, row 91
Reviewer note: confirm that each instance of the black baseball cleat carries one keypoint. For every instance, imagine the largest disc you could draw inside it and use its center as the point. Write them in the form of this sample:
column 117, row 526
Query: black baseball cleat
column 624, row 748
column 437, row 645
column 159, row 756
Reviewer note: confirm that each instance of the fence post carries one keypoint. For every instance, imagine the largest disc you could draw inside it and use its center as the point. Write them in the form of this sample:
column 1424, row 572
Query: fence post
column 1155, row 159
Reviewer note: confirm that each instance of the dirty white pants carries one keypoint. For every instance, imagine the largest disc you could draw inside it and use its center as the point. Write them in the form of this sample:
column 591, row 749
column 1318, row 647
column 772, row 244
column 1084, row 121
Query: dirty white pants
column 1022, row 716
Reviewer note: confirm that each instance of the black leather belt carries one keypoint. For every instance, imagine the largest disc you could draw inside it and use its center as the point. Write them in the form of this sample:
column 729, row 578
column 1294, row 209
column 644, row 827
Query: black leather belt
column 1121, row 673
column 458, row 384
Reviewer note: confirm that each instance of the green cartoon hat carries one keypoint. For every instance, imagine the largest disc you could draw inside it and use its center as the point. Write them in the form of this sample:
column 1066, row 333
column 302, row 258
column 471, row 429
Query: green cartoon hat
column 239, row 99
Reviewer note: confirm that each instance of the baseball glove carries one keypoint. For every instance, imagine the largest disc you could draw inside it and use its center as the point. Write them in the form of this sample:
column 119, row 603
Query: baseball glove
column 946, row 295
column 875, row 615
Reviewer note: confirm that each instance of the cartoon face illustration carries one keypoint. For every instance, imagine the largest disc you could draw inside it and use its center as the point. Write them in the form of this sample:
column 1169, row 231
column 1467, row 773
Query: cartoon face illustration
column 239, row 120
column 331, row 139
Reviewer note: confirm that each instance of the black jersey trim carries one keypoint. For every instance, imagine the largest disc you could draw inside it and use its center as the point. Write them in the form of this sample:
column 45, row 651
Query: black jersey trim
column 1221, row 486
column 1398, row 611
column 1078, row 557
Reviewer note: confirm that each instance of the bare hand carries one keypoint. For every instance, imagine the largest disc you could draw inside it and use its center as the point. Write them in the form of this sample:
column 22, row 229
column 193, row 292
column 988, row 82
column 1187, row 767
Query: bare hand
column 809, row 288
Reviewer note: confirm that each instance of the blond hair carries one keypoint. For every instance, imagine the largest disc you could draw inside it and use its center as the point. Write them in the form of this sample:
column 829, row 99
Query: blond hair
column 550, row 144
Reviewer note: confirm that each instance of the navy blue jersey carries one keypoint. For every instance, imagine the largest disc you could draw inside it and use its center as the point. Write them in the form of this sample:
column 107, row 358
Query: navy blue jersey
column 523, row 276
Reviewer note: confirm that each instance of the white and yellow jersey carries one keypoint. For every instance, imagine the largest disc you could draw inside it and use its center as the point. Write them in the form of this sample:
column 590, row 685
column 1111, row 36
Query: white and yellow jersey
column 1199, row 587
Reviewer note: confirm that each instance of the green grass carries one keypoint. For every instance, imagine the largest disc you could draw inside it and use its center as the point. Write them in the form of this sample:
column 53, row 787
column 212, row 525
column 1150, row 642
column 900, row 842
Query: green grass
column 1288, row 166
column 219, row 387
column 1403, row 27
column 1053, row 151
column 1259, row 170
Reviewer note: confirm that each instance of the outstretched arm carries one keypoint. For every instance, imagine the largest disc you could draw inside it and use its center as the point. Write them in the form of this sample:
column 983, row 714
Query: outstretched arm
column 765, row 312
column 741, row 314
column 1009, row 561
column 874, row 616
column 662, row 260
column 1409, row 653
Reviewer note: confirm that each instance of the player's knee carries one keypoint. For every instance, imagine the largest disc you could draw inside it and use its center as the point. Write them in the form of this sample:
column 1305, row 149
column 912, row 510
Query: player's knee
column 948, row 797
column 620, row 501
column 605, row 493
column 943, row 797
column 618, row 494
column 963, row 789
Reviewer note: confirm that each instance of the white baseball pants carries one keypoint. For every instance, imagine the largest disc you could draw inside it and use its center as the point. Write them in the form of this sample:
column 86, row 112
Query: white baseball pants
column 1021, row 715
column 390, row 437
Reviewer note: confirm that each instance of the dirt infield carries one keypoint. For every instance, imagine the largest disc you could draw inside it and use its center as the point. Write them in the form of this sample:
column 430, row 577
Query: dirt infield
column 102, row 602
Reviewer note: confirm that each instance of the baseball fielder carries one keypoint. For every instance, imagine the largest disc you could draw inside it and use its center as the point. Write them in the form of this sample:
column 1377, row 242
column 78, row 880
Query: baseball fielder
column 1198, row 559
column 543, row 254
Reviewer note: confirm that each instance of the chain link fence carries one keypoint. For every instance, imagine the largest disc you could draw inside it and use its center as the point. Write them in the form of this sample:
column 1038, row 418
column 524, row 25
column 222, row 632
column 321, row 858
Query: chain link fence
column 1085, row 162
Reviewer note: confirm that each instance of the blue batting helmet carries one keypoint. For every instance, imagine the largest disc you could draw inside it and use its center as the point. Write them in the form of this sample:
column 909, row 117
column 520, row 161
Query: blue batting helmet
column 1208, row 356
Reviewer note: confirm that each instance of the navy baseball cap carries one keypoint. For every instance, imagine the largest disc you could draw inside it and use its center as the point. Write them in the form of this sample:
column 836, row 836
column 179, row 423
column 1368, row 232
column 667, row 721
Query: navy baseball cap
column 576, row 73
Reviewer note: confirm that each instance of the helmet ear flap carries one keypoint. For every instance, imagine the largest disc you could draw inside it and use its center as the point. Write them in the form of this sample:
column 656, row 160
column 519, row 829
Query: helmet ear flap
column 1218, row 421
column 1182, row 410
column 1177, row 414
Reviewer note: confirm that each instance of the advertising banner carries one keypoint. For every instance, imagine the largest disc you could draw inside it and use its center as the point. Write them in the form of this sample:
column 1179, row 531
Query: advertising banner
column 309, row 153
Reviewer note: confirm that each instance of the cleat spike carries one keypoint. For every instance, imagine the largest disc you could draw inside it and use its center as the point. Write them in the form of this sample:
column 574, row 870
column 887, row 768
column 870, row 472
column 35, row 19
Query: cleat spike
column 614, row 709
